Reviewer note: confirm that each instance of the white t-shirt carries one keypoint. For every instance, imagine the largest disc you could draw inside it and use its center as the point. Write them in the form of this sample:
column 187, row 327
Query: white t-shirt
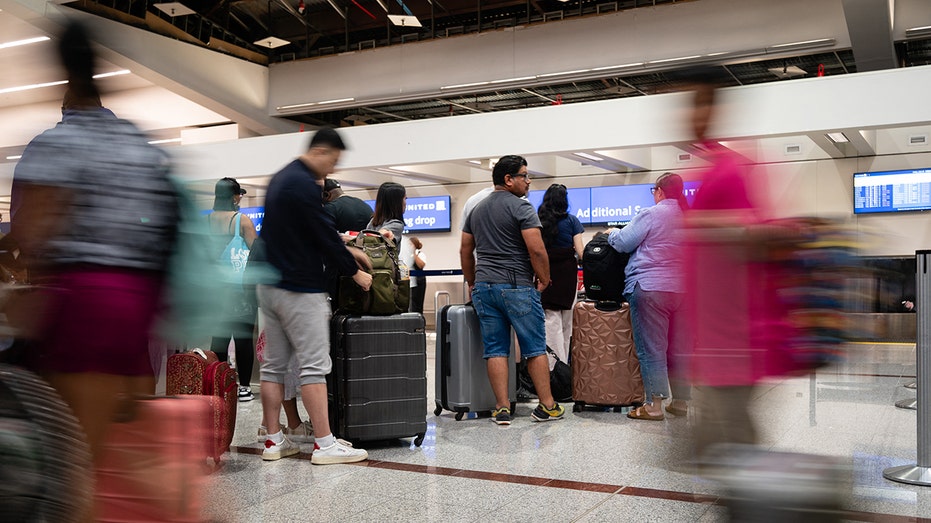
column 407, row 256
column 474, row 200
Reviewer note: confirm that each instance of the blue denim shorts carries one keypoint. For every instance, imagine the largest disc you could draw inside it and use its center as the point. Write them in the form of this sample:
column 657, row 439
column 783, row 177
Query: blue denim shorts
column 501, row 306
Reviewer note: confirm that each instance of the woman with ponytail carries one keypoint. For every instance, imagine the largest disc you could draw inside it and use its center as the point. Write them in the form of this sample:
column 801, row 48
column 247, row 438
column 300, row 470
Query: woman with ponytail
column 656, row 292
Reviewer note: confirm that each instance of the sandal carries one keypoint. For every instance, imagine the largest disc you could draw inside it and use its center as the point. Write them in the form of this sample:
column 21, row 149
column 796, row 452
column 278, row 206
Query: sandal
column 642, row 413
column 677, row 411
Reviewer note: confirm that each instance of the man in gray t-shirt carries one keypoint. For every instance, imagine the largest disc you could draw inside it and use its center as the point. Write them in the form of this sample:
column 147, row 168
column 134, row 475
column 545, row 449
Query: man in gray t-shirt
column 504, row 231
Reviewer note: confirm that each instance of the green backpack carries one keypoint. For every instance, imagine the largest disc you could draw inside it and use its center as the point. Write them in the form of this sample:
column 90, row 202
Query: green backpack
column 391, row 287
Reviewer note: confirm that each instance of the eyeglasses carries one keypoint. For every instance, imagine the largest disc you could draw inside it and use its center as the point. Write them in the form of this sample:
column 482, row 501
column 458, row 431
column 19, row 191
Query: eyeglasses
column 525, row 176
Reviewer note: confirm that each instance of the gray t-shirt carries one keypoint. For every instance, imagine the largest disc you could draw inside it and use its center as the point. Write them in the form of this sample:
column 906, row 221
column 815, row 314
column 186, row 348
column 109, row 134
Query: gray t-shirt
column 496, row 223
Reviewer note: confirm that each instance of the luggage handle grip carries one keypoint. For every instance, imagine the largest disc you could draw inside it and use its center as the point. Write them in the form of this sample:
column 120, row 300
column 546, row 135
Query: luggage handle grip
column 436, row 300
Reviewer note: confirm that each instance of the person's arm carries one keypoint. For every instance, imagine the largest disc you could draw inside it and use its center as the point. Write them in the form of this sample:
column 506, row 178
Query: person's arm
column 540, row 262
column 467, row 258
column 420, row 260
column 40, row 216
column 577, row 243
column 630, row 237
column 247, row 230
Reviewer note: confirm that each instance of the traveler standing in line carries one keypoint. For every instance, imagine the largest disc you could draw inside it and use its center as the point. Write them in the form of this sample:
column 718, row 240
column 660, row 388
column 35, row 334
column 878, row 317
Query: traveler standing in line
column 655, row 289
column 505, row 284
column 239, row 314
column 96, row 218
column 299, row 236
column 390, row 203
column 413, row 256
column 562, row 236
column 349, row 213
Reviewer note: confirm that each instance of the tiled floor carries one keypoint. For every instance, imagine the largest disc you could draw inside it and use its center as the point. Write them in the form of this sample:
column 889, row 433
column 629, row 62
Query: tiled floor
column 591, row 466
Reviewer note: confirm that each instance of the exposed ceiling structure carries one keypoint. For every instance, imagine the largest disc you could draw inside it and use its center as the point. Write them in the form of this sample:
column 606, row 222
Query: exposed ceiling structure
column 230, row 27
column 283, row 30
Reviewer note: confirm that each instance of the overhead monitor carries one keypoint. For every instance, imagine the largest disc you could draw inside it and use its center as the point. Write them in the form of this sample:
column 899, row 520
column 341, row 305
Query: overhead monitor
column 892, row 191
column 425, row 213
column 613, row 204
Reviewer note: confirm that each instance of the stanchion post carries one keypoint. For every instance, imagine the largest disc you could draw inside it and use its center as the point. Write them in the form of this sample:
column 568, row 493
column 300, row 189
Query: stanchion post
column 920, row 473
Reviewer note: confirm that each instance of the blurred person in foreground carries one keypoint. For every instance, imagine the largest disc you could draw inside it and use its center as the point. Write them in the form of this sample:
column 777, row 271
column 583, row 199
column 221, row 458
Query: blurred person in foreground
column 299, row 236
column 734, row 312
column 96, row 219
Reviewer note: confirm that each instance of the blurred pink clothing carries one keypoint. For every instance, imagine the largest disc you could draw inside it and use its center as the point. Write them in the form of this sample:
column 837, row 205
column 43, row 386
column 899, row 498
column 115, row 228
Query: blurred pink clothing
column 736, row 320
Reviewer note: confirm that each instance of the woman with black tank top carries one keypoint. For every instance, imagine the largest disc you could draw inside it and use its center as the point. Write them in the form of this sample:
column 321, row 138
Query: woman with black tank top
column 238, row 316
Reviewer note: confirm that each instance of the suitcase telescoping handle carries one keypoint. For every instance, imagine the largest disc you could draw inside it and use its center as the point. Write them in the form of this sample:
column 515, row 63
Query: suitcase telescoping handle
column 436, row 300
column 442, row 328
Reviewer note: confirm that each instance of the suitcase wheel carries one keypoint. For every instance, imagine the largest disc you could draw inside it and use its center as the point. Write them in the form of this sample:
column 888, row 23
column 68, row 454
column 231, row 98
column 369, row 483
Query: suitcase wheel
column 437, row 411
column 578, row 406
column 419, row 439
column 459, row 416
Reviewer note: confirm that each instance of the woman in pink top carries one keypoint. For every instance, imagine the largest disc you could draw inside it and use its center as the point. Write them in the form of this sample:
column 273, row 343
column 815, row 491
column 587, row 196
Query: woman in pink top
column 735, row 317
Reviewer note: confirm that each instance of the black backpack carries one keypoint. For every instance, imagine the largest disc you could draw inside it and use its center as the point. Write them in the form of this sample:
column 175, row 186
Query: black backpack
column 603, row 270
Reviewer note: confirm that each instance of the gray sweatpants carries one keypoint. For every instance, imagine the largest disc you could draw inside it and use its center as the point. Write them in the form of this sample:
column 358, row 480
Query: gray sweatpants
column 296, row 323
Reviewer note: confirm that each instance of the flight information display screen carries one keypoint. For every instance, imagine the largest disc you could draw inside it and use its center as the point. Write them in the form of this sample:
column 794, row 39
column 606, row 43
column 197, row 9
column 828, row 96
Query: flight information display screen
column 892, row 191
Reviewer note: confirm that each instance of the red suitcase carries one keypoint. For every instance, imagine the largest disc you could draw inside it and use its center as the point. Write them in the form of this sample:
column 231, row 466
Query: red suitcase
column 222, row 384
column 152, row 464
column 605, row 369
column 185, row 372
column 200, row 373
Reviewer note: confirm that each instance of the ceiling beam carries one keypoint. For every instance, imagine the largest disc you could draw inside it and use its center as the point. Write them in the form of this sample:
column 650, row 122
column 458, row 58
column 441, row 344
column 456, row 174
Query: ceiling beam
column 869, row 24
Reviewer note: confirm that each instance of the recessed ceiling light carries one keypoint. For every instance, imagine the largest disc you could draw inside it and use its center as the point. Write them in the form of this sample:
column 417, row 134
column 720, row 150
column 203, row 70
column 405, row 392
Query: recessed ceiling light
column 114, row 73
column 59, row 82
column 271, row 42
column 14, row 157
column 591, row 157
column 476, row 162
column 27, row 41
column 31, row 86
column 837, row 137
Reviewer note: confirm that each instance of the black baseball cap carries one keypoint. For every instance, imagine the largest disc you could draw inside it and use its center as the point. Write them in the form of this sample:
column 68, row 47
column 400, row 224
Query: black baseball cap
column 227, row 187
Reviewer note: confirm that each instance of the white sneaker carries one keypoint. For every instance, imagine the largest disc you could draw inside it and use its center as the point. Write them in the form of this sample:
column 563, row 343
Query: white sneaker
column 304, row 433
column 284, row 449
column 339, row 452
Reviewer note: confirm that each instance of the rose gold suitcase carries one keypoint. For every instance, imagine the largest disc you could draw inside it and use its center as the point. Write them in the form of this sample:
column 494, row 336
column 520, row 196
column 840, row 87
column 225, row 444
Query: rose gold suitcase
column 605, row 369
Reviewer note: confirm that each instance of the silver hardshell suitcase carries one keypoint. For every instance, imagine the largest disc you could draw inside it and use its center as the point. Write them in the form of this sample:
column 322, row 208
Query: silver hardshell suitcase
column 461, row 374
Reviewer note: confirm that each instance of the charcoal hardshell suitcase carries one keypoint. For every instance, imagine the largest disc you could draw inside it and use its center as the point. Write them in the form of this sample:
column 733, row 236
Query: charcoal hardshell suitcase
column 461, row 374
column 378, row 387
column 605, row 369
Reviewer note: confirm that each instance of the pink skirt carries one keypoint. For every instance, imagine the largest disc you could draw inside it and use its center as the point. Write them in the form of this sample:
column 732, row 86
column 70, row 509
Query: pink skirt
column 98, row 319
